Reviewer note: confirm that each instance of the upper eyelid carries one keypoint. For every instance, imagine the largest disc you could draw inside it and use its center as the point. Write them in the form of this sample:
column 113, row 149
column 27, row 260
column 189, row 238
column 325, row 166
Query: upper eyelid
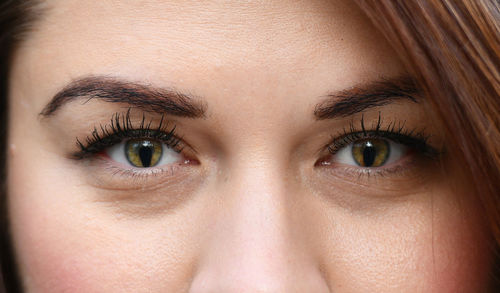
column 122, row 121
column 396, row 129
column 121, row 127
column 412, row 138
column 86, row 150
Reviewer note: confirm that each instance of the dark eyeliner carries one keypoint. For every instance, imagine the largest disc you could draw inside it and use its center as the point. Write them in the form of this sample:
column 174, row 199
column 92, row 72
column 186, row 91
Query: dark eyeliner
column 395, row 131
column 120, row 128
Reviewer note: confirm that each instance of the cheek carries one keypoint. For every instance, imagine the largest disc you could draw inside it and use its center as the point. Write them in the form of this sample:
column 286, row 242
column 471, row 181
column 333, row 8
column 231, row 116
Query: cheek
column 461, row 251
column 462, row 244
column 428, row 245
column 66, row 242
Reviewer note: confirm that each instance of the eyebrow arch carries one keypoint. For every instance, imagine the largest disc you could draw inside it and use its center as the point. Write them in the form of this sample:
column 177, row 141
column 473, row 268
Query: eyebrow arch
column 113, row 90
column 362, row 97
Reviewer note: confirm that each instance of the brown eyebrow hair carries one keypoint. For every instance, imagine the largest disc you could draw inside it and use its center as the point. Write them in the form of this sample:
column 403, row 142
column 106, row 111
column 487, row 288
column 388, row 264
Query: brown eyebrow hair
column 364, row 96
column 340, row 104
column 113, row 90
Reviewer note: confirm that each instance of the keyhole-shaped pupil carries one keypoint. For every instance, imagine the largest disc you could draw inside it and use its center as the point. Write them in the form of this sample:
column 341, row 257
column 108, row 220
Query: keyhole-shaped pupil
column 146, row 153
column 369, row 154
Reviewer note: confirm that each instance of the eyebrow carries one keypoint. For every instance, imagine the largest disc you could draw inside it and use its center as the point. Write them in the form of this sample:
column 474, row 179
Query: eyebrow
column 113, row 90
column 364, row 96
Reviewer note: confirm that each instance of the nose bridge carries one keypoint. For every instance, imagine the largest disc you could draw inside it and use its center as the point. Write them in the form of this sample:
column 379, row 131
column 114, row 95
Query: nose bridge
column 250, row 248
column 257, row 197
column 251, row 231
column 258, row 225
column 254, row 220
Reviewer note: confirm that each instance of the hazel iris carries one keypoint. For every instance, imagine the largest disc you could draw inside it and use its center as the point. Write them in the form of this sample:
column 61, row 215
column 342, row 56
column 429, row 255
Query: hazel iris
column 143, row 153
column 371, row 152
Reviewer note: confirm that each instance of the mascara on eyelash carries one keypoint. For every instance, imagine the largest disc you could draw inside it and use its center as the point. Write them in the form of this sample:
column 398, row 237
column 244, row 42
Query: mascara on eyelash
column 395, row 131
column 121, row 128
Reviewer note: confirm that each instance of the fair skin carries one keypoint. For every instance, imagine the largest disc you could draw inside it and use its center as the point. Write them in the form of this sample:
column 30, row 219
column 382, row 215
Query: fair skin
column 255, row 202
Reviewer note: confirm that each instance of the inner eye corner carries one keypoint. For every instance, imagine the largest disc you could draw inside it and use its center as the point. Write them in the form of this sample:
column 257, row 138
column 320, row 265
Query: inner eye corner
column 323, row 160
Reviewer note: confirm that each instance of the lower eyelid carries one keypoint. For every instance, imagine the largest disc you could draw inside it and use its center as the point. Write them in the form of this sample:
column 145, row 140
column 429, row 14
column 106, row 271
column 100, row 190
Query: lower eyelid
column 140, row 191
column 408, row 160
column 407, row 176
column 104, row 173
column 106, row 159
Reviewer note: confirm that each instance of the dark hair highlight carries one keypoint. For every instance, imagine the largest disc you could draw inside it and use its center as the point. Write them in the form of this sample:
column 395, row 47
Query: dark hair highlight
column 16, row 20
column 453, row 50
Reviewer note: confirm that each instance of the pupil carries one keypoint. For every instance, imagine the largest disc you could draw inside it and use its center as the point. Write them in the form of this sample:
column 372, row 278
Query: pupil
column 369, row 154
column 146, row 153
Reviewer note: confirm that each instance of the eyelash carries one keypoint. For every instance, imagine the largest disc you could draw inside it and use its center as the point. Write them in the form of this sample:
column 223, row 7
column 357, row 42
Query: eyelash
column 394, row 131
column 120, row 128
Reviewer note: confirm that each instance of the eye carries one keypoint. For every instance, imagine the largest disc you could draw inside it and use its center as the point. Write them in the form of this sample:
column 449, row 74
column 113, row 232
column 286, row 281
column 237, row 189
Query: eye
column 370, row 152
column 143, row 153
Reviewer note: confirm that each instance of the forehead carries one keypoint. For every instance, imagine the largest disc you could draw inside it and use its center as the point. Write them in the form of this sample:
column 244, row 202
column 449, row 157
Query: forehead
column 248, row 48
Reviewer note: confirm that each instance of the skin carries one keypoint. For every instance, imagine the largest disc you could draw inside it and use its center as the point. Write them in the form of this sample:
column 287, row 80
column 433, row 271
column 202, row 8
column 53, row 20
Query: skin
column 255, row 210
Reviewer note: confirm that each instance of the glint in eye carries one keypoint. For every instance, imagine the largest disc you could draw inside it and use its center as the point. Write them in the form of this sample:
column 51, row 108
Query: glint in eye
column 370, row 153
column 143, row 153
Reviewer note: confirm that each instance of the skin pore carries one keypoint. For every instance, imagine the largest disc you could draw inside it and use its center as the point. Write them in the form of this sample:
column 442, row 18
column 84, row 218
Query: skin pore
column 257, row 194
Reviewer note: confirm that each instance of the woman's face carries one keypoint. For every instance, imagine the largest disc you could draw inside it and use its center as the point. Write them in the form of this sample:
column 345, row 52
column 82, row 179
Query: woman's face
column 222, row 146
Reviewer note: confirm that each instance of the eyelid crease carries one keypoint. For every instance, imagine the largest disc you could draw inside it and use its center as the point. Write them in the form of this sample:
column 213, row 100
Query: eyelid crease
column 395, row 131
column 121, row 128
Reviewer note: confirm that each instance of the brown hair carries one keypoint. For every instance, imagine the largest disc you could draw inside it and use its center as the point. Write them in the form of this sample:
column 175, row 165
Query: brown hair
column 452, row 48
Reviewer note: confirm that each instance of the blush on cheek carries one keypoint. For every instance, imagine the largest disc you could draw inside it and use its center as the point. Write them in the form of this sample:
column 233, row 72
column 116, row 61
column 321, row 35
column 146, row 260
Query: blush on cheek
column 48, row 266
column 414, row 248
column 58, row 274
column 461, row 259
column 54, row 234
column 53, row 260
column 67, row 242
column 459, row 254
column 57, row 257
column 467, row 271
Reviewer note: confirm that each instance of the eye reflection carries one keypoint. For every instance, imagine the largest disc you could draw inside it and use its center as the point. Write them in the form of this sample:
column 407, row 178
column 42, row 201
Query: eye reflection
column 371, row 153
column 143, row 153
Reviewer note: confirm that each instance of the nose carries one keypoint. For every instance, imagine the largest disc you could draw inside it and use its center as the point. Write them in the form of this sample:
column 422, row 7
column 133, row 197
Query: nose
column 254, row 245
